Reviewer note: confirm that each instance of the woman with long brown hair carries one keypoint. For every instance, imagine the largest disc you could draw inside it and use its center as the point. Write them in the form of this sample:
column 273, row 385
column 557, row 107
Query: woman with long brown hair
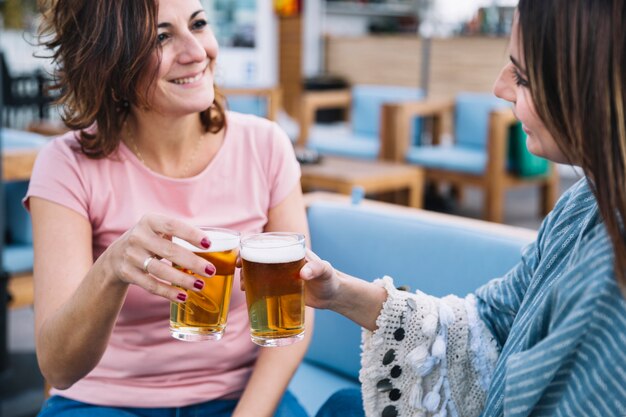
column 153, row 154
column 548, row 338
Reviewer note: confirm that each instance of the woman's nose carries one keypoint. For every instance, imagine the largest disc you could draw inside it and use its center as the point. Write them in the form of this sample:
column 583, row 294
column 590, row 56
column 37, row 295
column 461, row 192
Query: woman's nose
column 504, row 86
column 192, row 49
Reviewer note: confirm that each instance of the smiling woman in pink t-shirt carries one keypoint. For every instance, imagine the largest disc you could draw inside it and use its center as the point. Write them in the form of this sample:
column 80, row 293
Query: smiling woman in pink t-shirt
column 152, row 154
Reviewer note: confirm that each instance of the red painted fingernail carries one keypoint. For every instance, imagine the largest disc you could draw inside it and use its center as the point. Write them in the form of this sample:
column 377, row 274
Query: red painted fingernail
column 210, row 270
column 206, row 243
column 182, row 296
column 199, row 284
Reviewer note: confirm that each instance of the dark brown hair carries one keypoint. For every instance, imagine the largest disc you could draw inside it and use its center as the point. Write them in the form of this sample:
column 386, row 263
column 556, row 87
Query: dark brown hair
column 575, row 53
column 101, row 50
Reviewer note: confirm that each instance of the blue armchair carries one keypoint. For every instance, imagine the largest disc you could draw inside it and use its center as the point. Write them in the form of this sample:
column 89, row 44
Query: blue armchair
column 18, row 158
column 17, row 256
column 478, row 155
column 360, row 138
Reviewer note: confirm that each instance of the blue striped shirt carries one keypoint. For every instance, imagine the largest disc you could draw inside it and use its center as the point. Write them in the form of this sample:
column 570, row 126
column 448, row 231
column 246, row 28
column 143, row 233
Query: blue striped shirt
column 560, row 319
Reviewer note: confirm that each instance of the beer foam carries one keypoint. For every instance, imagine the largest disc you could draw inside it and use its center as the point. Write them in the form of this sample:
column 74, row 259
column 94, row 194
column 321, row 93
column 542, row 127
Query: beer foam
column 266, row 252
column 220, row 242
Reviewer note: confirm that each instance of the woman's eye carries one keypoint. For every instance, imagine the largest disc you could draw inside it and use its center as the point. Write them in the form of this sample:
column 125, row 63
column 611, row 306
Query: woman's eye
column 162, row 37
column 199, row 24
column 519, row 80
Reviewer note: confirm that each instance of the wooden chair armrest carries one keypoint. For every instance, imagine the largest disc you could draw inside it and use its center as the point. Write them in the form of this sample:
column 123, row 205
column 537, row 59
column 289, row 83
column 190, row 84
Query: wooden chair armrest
column 504, row 115
column 316, row 100
column 248, row 91
column 48, row 127
column 425, row 108
column 500, row 121
column 396, row 124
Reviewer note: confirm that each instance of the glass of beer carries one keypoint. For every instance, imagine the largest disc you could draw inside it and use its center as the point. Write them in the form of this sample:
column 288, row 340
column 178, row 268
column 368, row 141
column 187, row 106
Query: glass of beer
column 271, row 265
column 203, row 315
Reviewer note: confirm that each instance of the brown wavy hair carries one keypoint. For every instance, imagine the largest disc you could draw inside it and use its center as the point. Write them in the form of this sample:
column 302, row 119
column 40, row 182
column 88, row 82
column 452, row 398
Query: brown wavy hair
column 101, row 50
column 575, row 52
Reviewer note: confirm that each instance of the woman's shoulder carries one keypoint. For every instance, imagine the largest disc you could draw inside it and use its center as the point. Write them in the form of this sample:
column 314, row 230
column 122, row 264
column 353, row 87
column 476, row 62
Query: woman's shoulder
column 256, row 132
column 65, row 146
column 65, row 152
column 573, row 207
column 580, row 193
column 248, row 122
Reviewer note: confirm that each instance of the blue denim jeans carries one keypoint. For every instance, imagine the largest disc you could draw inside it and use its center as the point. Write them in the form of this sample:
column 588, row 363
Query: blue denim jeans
column 58, row 406
column 344, row 403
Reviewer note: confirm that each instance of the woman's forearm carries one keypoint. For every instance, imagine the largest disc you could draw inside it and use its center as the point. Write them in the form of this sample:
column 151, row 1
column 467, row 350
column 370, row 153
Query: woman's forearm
column 71, row 341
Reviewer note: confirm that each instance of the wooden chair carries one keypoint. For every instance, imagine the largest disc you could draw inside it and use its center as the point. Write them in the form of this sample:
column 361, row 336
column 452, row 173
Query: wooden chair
column 317, row 100
column 261, row 101
column 492, row 175
column 359, row 137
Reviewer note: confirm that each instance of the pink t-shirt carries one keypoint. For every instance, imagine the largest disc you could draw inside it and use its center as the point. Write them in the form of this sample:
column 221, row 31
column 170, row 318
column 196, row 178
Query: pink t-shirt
column 143, row 366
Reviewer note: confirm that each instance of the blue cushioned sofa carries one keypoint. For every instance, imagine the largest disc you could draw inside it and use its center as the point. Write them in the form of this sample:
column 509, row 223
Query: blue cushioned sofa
column 435, row 253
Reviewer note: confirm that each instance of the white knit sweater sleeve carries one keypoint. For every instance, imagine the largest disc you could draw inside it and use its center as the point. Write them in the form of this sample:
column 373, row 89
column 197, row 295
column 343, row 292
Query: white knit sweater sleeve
column 429, row 357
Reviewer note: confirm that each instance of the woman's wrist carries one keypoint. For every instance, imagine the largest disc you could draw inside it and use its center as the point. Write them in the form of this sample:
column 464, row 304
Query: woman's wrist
column 107, row 273
column 358, row 300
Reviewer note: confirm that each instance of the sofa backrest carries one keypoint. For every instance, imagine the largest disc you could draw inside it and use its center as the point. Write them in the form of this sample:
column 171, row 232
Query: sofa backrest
column 437, row 254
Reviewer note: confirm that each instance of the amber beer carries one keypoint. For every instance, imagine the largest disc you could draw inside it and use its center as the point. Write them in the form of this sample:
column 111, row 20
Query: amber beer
column 203, row 315
column 274, row 291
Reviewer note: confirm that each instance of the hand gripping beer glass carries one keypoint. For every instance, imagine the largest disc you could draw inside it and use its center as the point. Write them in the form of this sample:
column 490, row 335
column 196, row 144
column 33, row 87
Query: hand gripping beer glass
column 271, row 265
column 203, row 315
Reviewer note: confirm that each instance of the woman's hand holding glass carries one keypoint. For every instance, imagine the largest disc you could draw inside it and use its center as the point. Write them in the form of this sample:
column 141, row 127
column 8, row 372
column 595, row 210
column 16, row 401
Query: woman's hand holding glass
column 327, row 288
column 321, row 282
column 136, row 257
